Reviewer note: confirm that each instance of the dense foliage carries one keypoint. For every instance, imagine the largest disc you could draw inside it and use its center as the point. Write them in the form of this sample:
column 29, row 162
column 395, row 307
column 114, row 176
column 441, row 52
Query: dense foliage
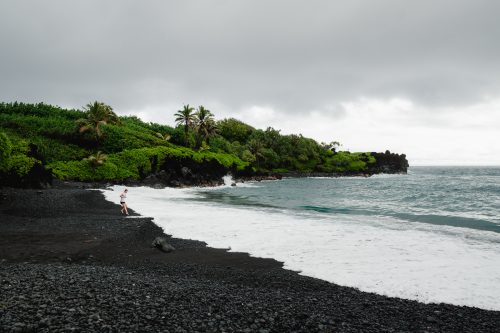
column 96, row 144
column 136, row 163
column 15, row 158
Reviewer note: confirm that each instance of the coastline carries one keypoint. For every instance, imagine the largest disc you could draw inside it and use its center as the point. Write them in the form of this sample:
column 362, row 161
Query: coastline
column 69, row 260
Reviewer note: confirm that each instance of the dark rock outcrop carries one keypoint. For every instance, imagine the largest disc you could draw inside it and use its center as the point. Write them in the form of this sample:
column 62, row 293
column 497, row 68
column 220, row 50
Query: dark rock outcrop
column 389, row 163
column 178, row 172
column 37, row 177
column 385, row 163
column 161, row 244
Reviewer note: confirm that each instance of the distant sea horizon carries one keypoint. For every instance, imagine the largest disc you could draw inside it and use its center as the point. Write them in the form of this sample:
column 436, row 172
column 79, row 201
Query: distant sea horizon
column 453, row 165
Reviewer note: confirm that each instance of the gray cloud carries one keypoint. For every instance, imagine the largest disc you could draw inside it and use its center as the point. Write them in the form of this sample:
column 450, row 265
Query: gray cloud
column 295, row 56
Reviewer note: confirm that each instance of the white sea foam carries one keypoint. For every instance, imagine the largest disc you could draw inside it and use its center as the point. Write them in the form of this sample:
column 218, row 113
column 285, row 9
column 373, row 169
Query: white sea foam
column 228, row 180
column 389, row 175
column 415, row 261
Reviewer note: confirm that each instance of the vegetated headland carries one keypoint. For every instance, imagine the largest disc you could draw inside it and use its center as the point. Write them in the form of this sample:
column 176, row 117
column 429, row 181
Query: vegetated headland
column 40, row 142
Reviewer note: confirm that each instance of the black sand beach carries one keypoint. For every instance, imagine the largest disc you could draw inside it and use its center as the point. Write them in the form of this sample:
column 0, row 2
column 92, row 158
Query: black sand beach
column 70, row 262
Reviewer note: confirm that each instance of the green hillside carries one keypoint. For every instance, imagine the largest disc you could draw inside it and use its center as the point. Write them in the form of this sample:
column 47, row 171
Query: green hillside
column 94, row 144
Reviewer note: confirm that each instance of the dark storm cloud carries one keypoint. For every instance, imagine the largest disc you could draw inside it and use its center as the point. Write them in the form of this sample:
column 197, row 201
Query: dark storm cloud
column 290, row 55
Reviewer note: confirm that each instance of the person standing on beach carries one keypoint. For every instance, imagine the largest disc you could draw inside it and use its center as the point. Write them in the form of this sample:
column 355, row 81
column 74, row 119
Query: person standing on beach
column 123, row 196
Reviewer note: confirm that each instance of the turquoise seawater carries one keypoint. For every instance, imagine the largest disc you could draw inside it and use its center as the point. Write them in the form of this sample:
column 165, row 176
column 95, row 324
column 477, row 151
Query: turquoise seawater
column 467, row 197
column 432, row 235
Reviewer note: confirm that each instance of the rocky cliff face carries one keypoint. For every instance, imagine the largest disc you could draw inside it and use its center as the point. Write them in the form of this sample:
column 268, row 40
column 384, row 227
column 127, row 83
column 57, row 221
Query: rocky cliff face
column 186, row 172
column 385, row 163
column 177, row 172
column 389, row 163
column 37, row 177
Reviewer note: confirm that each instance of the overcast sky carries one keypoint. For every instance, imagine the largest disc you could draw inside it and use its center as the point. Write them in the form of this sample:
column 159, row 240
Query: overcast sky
column 415, row 77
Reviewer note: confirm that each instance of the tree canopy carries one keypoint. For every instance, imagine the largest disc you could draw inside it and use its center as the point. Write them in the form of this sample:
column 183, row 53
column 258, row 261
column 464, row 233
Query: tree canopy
column 186, row 118
column 97, row 115
column 40, row 134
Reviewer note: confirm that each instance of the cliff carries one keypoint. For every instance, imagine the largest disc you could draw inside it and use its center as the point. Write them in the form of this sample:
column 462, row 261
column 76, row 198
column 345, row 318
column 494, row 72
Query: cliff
column 178, row 172
column 388, row 163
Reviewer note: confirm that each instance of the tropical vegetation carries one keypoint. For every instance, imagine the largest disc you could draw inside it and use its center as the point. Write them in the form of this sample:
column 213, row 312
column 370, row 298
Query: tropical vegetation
column 95, row 144
column 97, row 115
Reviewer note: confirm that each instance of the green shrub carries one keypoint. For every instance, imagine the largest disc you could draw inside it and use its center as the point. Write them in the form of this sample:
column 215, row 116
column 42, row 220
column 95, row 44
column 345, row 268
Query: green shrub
column 281, row 170
column 58, row 124
column 234, row 130
column 21, row 164
column 13, row 157
column 40, row 110
column 73, row 170
column 247, row 156
column 133, row 145
column 5, row 151
column 347, row 162
column 136, row 163
column 117, row 138
column 55, row 150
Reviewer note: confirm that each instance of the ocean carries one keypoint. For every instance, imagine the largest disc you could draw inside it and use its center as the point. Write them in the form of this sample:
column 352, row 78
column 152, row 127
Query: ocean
column 432, row 235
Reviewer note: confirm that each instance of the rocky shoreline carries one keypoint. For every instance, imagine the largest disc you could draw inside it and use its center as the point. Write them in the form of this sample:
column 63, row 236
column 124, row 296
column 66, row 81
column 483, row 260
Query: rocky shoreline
column 184, row 172
column 69, row 262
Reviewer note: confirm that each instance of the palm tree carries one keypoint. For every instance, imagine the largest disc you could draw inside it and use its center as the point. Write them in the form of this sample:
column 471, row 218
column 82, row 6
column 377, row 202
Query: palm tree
column 256, row 147
column 96, row 160
column 205, row 124
column 209, row 130
column 185, row 117
column 98, row 114
column 332, row 146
